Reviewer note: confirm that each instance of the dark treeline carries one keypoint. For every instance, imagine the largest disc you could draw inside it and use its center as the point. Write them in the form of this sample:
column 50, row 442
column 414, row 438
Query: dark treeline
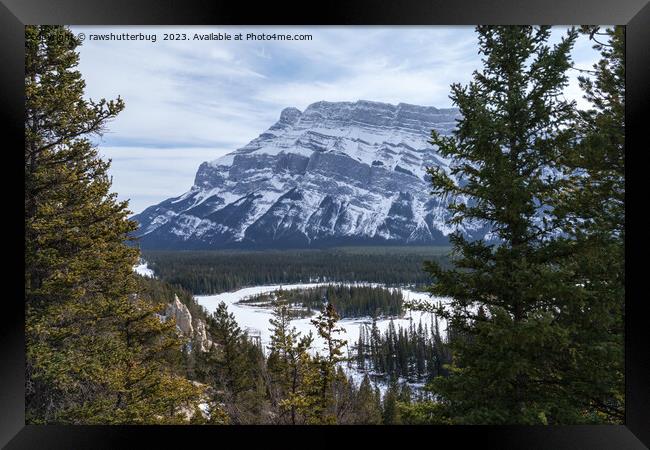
column 350, row 301
column 415, row 353
column 212, row 272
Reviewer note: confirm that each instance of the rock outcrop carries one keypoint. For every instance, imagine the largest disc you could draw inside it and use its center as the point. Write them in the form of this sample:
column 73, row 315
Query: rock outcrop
column 188, row 326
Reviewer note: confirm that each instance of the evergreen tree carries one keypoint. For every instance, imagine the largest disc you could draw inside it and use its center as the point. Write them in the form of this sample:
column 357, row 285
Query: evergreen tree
column 283, row 338
column 423, row 412
column 234, row 367
column 591, row 211
column 327, row 329
column 96, row 353
column 343, row 399
column 361, row 348
column 390, row 413
column 405, row 393
column 288, row 362
column 504, row 174
column 377, row 355
column 368, row 410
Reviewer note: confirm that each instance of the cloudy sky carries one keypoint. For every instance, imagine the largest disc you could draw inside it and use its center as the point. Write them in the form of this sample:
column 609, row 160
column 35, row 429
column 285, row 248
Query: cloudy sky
column 193, row 101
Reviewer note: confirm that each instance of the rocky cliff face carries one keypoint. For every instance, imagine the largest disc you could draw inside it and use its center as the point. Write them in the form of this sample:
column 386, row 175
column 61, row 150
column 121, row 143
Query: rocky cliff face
column 190, row 327
column 336, row 173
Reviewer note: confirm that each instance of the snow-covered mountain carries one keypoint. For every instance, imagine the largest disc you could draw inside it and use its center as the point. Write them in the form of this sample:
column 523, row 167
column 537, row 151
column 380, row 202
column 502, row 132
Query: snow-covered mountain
column 336, row 173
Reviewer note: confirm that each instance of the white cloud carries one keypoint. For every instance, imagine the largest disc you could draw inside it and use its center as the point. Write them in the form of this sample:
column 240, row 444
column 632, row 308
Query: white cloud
column 191, row 101
column 146, row 176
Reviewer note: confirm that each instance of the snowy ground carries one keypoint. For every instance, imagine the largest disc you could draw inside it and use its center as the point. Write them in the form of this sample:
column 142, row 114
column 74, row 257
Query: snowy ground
column 256, row 318
column 143, row 269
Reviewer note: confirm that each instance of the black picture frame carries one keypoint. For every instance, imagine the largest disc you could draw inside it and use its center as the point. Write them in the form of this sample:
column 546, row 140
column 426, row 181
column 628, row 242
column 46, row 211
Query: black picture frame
column 14, row 14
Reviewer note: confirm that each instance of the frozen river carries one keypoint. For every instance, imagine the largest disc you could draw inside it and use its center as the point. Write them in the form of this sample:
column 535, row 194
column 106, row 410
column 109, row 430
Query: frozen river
column 256, row 318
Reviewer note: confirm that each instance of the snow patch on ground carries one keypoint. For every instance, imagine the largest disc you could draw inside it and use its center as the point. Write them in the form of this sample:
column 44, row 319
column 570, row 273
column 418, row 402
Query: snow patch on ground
column 143, row 269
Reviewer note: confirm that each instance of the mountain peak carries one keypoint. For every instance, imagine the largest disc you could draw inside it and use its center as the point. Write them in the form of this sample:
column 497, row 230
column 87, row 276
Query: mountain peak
column 290, row 115
column 335, row 173
column 372, row 114
column 364, row 104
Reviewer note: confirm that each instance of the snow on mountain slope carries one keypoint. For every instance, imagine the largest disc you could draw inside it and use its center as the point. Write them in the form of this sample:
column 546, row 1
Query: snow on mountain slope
column 336, row 173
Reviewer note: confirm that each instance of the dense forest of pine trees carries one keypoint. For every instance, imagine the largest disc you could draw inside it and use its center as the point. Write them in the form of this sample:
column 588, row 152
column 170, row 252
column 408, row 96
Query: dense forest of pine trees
column 349, row 301
column 536, row 320
column 213, row 272
column 416, row 353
